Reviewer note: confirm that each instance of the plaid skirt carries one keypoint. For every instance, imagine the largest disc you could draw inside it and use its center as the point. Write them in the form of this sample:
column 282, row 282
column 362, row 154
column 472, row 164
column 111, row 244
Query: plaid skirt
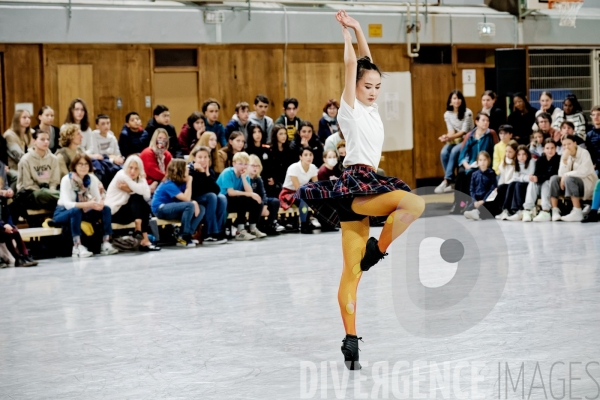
column 332, row 200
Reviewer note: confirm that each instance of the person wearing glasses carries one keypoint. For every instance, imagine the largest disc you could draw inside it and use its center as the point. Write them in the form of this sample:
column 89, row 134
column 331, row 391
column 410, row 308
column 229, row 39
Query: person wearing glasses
column 80, row 200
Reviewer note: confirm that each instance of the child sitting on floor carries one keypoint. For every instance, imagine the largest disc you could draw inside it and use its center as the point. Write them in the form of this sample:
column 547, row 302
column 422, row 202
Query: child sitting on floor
column 483, row 183
column 539, row 184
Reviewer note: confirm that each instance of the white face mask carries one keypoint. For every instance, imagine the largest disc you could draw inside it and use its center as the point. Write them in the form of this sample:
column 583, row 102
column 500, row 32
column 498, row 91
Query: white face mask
column 332, row 162
column 508, row 160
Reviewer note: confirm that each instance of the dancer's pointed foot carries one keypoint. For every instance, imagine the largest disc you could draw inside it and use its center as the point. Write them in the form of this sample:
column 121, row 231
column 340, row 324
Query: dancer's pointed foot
column 372, row 254
column 350, row 351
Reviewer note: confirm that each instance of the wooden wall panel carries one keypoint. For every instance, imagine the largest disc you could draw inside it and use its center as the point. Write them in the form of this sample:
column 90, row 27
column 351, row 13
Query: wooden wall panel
column 179, row 90
column 75, row 81
column 431, row 86
column 22, row 79
column 118, row 71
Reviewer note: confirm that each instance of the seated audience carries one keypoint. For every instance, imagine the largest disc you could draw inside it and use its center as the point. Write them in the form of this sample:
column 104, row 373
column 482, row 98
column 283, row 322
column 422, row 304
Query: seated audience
column 270, row 205
column 566, row 128
column 160, row 120
column 210, row 109
column 236, row 145
column 298, row 174
column 332, row 141
column 536, row 146
column 104, row 142
column 307, row 138
column 156, row 158
column 70, row 145
column 133, row 139
column 235, row 184
column 46, row 118
column 505, row 133
column 576, row 179
column 209, row 139
column 330, row 170
column 127, row 196
column 341, row 150
column 592, row 138
column 239, row 121
column 18, row 138
column 488, row 106
column 328, row 124
column 257, row 144
column 507, row 171
column 78, row 114
column 517, row 189
column 539, row 184
column 191, row 132
column 9, row 234
column 459, row 121
column 522, row 118
column 259, row 115
column 280, row 159
column 173, row 200
column 479, row 139
column 80, row 200
column 547, row 107
column 572, row 112
column 544, row 125
column 38, row 178
column 483, row 183
column 206, row 193
column 289, row 118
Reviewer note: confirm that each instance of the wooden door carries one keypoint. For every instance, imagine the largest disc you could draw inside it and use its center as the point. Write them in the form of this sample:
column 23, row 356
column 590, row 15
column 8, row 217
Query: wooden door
column 3, row 123
column 431, row 86
column 179, row 92
column 313, row 84
column 75, row 81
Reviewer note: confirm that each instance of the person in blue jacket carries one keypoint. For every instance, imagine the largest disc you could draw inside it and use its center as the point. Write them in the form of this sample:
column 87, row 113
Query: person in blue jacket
column 483, row 183
column 479, row 139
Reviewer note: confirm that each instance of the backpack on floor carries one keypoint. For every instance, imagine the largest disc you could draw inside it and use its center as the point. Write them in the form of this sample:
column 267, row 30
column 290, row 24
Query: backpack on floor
column 126, row 243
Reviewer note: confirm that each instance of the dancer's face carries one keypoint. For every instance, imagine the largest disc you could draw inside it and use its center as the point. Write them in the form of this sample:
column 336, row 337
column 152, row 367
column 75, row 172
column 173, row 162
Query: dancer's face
column 367, row 88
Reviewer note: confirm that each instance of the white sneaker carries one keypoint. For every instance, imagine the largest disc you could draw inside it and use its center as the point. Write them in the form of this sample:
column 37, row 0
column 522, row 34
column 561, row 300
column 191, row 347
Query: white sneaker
column 533, row 212
column 576, row 215
column 586, row 209
column 213, row 240
column 473, row 214
column 244, row 235
column 81, row 252
column 107, row 249
column 555, row 215
column 516, row 216
column 449, row 189
column 314, row 222
column 258, row 234
column 441, row 187
column 543, row 216
column 503, row 215
column 527, row 216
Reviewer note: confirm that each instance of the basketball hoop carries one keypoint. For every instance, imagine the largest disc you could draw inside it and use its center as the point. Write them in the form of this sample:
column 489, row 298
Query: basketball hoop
column 568, row 10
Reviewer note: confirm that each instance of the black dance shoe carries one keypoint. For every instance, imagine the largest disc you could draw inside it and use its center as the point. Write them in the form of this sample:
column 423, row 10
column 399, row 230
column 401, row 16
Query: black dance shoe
column 591, row 217
column 372, row 255
column 350, row 351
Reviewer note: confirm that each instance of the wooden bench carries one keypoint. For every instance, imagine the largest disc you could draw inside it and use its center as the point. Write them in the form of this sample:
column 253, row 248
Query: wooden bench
column 160, row 222
column 290, row 212
column 34, row 234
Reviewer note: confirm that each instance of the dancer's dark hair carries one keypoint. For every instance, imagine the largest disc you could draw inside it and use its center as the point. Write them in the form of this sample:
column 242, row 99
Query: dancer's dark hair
column 364, row 64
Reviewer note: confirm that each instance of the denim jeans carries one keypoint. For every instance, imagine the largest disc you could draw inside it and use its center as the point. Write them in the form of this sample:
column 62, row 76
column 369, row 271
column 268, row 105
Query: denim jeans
column 216, row 211
column 183, row 211
column 74, row 216
column 449, row 156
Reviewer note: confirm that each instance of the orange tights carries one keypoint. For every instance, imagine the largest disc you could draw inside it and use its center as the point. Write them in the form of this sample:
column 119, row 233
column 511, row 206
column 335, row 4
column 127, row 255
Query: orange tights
column 402, row 208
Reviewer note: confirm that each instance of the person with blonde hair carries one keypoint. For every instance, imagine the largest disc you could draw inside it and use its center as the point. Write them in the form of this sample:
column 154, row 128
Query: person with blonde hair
column 127, row 196
column 18, row 138
column 209, row 139
column 173, row 200
column 156, row 158
column 70, row 145
column 241, row 199
column 270, row 205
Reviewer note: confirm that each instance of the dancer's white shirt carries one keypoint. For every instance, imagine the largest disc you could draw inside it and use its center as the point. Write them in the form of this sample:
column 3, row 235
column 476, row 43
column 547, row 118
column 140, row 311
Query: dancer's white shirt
column 363, row 131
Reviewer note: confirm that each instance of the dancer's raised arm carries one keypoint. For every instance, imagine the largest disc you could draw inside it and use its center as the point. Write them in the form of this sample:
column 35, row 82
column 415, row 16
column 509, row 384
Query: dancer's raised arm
column 350, row 69
column 349, row 22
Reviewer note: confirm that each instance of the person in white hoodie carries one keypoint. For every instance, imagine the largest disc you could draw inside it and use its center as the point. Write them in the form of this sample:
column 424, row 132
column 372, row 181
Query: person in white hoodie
column 259, row 115
column 517, row 189
column 506, row 170
column 576, row 179
column 127, row 196
column 104, row 143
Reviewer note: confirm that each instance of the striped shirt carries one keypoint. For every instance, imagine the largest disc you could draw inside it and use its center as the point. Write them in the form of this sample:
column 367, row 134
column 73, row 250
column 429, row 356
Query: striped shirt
column 577, row 119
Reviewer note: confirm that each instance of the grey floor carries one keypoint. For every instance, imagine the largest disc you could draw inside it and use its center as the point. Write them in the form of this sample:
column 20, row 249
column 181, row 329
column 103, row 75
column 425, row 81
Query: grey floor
column 260, row 320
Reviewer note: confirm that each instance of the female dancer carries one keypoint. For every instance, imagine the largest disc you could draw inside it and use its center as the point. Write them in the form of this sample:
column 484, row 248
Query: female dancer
column 360, row 192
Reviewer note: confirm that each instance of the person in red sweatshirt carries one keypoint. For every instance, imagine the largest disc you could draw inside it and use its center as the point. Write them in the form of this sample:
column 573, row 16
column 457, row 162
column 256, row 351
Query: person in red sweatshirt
column 156, row 158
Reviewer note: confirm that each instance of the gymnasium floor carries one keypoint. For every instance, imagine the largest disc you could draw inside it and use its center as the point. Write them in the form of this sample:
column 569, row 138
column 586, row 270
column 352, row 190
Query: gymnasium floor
column 260, row 320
